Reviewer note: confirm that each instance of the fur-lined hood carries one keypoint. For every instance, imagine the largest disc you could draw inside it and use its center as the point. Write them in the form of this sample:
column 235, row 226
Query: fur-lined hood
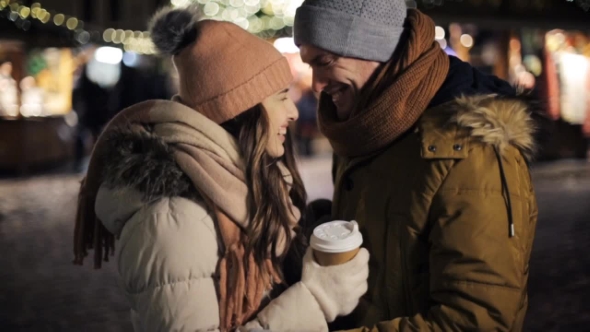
column 140, row 170
column 142, row 161
column 448, row 130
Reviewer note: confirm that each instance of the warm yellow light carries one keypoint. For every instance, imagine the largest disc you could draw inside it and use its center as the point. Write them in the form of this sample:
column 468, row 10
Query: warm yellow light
column 211, row 9
column 37, row 13
column 25, row 12
column 252, row 9
column 180, row 3
column 59, row 19
column 108, row 34
column 254, row 24
column 128, row 35
column 276, row 23
column 46, row 17
column 236, row 3
column 467, row 40
column 267, row 8
column 72, row 23
column 242, row 22
column 439, row 33
column 119, row 35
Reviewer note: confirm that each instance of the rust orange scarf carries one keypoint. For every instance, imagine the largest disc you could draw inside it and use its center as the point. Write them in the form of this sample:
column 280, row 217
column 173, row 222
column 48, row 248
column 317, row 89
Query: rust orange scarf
column 392, row 103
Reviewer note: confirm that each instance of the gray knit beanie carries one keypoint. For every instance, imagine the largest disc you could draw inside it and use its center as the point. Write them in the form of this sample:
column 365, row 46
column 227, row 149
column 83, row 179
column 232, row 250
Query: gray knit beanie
column 364, row 29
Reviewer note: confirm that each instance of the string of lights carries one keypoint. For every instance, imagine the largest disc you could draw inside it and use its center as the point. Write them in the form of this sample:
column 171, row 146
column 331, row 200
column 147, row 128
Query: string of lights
column 266, row 18
column 24, row 17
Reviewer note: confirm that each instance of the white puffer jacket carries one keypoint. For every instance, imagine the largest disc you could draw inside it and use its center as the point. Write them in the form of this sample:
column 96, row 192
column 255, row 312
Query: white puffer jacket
column 169, row 249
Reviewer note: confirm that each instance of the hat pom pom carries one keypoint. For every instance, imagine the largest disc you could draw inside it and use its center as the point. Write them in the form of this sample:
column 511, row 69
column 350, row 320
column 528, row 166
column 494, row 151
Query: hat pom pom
column 172, row 29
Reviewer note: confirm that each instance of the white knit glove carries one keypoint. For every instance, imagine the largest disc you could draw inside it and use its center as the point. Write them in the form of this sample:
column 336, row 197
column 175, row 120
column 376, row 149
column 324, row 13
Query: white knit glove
column 338, row 288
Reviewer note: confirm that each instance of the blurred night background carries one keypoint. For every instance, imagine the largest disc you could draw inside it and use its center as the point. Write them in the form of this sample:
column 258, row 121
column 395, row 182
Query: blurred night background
column 68, row 66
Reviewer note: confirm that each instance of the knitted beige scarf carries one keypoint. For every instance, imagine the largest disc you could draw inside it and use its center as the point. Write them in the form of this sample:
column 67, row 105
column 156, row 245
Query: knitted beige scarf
column 392, row 103
column 209, row 156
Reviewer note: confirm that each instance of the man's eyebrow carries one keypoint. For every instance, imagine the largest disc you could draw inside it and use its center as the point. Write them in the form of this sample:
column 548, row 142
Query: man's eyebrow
column 316, row 61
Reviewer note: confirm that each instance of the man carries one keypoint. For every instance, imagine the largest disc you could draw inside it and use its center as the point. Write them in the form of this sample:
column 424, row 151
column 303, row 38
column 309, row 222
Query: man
column 431, row 158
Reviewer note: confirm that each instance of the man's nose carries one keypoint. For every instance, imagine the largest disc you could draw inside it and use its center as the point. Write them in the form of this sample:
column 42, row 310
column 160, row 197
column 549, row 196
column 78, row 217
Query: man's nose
column 318, row 83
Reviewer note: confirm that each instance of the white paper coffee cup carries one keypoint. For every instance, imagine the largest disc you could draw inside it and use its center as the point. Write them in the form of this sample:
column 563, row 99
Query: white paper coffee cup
column 336, row 242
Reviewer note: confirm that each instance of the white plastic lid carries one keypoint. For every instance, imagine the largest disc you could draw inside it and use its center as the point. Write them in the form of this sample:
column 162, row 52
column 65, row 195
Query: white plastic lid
column 336, row 236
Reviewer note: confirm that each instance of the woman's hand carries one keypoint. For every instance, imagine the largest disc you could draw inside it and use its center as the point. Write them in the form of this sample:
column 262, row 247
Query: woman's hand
column 337, row 288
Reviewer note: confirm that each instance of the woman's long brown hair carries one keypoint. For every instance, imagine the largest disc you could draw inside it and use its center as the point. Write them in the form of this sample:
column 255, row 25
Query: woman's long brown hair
column 268, row 194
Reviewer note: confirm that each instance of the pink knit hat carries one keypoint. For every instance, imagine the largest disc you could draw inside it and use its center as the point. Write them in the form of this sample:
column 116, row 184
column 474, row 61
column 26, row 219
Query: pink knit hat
column 224, row 70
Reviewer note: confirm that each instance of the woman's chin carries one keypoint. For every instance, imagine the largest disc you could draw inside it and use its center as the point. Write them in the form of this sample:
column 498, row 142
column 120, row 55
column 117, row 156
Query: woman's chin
column 276, row 151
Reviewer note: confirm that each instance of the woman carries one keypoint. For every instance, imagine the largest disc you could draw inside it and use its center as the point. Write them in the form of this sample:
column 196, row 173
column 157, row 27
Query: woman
column 203, row 194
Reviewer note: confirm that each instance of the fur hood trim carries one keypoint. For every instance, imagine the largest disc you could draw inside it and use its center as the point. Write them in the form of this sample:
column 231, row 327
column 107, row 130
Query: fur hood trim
column 142, row 161
column 488, row 119
column 500, row 122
